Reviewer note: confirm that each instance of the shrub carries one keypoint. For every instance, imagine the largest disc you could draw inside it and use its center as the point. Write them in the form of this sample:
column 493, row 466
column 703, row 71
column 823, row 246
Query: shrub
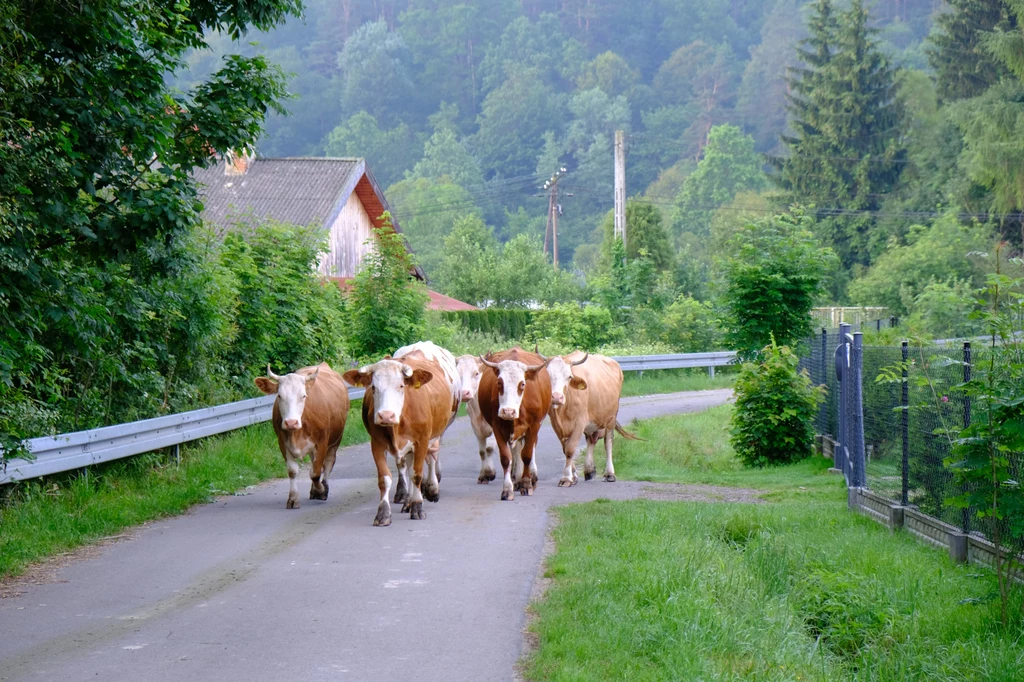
column 569, row 326
column 775, row 408
column 690, row 326
column 386, row 305
column 506, row 323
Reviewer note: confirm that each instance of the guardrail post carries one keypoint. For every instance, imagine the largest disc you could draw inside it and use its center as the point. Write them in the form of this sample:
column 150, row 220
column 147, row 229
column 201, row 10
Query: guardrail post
column 711, row 371
column 905, row 425
column 857, row 421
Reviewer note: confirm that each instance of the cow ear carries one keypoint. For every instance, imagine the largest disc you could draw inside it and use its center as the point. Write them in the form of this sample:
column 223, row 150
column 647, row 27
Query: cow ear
column 356, row 378
column 419, row 377
column 578, row 384
column 266, row 385
column 531, row 374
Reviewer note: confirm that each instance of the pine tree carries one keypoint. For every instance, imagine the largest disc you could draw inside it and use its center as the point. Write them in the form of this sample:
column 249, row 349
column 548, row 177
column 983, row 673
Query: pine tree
column 963, row 66
column 845, row 152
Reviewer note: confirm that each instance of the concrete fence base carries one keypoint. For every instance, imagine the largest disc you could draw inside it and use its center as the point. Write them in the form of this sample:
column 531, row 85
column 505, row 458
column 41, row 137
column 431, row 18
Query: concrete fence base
column 962, row 547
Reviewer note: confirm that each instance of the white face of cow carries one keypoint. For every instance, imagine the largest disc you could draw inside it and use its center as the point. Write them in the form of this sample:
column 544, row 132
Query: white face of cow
column 511, row 386
column 470, row 370
column 291, row 390
column 562, row 380
column 388, row 379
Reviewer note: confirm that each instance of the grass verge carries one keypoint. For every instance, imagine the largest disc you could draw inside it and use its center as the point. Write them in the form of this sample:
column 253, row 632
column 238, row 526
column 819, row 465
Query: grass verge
column 43, row 518
column 673, row 380
column 797, row 589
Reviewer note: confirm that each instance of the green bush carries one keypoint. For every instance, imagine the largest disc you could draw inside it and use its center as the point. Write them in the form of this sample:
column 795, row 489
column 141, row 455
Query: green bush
column 569, row 326
column 775, row 409
column 386, row 305
column 507, row 323
column 690, row 326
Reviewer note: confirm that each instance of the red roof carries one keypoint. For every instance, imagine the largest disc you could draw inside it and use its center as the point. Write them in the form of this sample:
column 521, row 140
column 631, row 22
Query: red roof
column 437, row 301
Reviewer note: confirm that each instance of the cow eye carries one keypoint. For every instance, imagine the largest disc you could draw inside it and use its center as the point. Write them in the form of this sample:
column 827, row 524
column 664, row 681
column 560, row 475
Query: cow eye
column 522, row 386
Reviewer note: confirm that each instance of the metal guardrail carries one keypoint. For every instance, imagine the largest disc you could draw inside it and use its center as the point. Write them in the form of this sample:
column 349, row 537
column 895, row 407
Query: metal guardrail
column 69, row 451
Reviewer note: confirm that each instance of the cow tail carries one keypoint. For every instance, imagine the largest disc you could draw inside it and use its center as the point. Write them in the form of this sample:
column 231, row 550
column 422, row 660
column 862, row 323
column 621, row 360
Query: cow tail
column 626, row 434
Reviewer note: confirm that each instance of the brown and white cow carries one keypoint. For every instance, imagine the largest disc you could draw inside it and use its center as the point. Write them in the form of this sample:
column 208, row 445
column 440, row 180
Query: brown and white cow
column 408, row 404
column 585, row 392
column 470, row 370
column 309, row 417
column 445, row 359
column 514, row 399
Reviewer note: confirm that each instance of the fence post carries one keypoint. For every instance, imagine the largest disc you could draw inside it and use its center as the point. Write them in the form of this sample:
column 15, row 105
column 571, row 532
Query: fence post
column 965, row 513
column 842, row 364
column 905, row 424
column 878, row 325
column 857, row 406
column 823, row 408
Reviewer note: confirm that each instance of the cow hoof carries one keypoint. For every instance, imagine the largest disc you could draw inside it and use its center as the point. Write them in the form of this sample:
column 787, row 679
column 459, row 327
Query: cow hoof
column 587, row 475
column 609, row 478
column 507, row 495
column 383, row 517
column 565, row 482
column 432, row 495
column 292, row 504
column 318, row 494
column 406, row 507
column 416, row 512
column 525, row 489
column 485, row 477
column 400, row 498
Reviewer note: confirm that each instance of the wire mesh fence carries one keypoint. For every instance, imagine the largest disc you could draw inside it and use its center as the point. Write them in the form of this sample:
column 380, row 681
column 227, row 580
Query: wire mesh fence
column 914, row 408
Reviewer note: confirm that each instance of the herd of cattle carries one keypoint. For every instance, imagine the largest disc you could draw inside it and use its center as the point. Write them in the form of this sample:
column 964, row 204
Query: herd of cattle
column 413, row 397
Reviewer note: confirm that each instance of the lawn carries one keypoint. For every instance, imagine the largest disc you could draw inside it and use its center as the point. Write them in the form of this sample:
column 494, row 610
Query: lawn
column 798, row 588
column 672, row 380
column 45, row 517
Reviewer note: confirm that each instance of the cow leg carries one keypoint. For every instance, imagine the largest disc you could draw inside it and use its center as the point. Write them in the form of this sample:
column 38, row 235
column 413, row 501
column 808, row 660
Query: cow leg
column 528, row 481
column 293, row 489
column 431, row 488
column 418, row 459
column 402, row 488
column 589, row 470
column 569, row 447
column 437, row 459
column 609, row 466
column 329, row 460
column 317, row 491
column 380, row 458
column 487, row 447
column 505, row 457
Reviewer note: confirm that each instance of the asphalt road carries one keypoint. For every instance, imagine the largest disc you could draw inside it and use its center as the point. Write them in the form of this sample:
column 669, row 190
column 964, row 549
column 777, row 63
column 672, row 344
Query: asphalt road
column 243, row 589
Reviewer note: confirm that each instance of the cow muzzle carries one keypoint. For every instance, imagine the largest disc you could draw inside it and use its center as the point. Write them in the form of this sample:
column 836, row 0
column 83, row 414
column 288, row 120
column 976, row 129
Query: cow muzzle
column 291, row 424
column 557, row 399
column 509, row 413
column 467, row 396
column 386, row 418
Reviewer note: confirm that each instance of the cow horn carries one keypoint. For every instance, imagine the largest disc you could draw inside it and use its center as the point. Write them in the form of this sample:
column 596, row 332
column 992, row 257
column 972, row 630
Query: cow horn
column 271, row 374
column 535, row 368
column 488, row 362
column 580, row 362
column 536, row 348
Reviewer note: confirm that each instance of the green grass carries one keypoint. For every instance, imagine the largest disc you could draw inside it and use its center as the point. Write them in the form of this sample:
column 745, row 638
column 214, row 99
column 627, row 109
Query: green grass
column 42, row 518
column 673, row 380
column 796, row 589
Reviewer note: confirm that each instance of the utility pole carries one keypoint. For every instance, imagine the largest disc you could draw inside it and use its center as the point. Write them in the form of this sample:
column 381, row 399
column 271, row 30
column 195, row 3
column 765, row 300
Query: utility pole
column 553, row 210
column 620, row 186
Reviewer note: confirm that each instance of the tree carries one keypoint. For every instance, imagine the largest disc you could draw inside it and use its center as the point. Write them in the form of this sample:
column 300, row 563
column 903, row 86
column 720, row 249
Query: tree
column 846, row 150
column 645, row 234
column 445, row 158
column 729, row 166
column 775, row 273
column 374, row 66
column 470, row 255
column 389, row 153
column 386, row 305
column 96, row 196
column 963, row 66
column 609, row 72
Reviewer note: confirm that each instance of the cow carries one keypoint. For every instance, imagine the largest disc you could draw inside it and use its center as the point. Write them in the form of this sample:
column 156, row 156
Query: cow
column 514, row 399
column 408, row 404
column 585, row 392
column 308, row 417
column 430, row 351
column 470, row 370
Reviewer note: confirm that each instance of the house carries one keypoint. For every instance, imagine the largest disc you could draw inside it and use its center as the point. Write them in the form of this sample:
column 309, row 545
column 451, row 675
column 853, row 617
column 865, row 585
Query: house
column 338, row 193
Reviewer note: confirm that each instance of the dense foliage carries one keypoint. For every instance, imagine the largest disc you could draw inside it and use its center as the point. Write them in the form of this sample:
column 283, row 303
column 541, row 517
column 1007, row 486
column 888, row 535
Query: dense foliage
column 773, row 421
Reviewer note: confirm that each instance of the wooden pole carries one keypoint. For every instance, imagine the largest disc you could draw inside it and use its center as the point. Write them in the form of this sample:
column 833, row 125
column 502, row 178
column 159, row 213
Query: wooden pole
column 554, row 223
column 547, row 227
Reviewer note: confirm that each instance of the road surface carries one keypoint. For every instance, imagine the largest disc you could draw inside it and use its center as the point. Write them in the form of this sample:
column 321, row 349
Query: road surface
column 243, row 589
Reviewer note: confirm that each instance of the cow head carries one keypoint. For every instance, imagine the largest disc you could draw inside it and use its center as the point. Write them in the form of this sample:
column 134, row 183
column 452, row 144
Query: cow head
column 512, row 377
column 388, row 379
column 560, row 372
column 291, row 395
column 470, row 370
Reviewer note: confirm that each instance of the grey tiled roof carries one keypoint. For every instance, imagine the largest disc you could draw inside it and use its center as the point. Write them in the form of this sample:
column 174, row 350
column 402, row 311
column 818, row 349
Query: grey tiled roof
column 301, row 191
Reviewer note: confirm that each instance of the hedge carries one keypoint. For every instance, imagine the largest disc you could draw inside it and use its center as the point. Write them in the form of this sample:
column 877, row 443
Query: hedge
column 506, row 323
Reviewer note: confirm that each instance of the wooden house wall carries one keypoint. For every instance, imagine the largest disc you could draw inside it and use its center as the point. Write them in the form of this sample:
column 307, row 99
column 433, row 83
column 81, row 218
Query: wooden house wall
column 347, row 243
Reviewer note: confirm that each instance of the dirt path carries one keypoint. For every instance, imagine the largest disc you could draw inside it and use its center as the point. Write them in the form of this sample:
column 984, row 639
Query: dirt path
column 242, row 589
